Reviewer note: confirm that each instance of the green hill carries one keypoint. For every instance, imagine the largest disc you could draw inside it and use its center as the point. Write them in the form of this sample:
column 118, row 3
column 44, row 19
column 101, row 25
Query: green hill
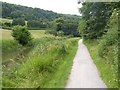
column 28, row 13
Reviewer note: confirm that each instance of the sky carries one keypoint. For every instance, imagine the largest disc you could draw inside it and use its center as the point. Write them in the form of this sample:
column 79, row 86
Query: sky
column 59, row 6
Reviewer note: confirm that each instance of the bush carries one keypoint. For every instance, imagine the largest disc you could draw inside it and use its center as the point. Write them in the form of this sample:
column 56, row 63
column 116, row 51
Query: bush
column 6, row 25
column 21, row 35
column 111, row 37
column 108, row 47
column 18, row 21
column 36, row 24
column 60, row 33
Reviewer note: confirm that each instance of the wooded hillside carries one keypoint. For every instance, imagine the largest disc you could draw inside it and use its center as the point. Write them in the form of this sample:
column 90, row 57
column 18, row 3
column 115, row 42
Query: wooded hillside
column 28, row 13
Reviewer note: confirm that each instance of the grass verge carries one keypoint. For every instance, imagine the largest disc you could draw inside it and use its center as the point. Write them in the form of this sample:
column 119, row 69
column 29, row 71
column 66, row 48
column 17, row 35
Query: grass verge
column 106, row 72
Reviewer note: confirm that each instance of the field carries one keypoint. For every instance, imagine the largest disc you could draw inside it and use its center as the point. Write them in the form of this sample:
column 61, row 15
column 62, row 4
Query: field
column 41, row 65
column 6, row 34
column 3, row 20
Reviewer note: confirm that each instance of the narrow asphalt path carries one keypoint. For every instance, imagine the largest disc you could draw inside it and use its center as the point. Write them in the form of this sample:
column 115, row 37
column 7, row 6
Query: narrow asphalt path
column 84, row 73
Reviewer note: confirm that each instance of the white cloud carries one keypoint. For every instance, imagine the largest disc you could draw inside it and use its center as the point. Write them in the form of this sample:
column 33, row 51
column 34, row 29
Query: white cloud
column 60, row 6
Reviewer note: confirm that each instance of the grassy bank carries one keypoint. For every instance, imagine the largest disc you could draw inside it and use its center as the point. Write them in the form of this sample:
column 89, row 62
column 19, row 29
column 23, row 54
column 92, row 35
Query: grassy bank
column 44, row 65
column 104, row 65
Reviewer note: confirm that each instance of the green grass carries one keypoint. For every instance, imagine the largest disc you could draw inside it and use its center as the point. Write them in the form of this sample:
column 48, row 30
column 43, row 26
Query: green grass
column 106, row 72
column 6, row 34
column 47, row 64
column 3, row 20
column 39, row 33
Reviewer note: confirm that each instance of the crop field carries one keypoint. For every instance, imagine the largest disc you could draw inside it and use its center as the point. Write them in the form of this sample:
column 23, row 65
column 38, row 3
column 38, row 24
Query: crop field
column 41, row 65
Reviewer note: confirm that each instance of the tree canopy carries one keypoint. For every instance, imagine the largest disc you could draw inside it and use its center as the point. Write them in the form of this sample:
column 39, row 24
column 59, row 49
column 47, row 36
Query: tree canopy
column 96, row 16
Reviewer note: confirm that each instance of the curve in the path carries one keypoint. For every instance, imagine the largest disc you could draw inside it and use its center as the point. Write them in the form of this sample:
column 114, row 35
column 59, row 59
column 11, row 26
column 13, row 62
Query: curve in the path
column 84, row 73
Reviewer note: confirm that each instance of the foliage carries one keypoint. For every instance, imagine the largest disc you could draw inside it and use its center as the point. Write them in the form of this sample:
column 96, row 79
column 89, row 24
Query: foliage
column 36, row 24
column 81, row 27
column 96, row 16
column 34, row 18
column 105, row 68
column 59, row 23
column 22, row 35
column 18, row 21
column 43, row 66
column 108, row 47
column 16, row 11
column 69, row 27
column 6, row 23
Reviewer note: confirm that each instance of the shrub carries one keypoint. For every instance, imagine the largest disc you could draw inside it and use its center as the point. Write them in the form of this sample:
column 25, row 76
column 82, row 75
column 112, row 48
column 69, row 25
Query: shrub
column 18, row 21
column 36, row 24
column 60, row 33
column 108, row 47
column 111, row 37
column 6, row 25
column 21, row 35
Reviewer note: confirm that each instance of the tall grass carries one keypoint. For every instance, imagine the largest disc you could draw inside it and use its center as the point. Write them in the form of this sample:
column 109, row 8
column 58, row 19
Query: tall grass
column 47, row 64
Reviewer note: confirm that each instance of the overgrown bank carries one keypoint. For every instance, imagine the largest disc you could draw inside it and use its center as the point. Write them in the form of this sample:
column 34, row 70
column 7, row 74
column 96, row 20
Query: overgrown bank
column 46, row 65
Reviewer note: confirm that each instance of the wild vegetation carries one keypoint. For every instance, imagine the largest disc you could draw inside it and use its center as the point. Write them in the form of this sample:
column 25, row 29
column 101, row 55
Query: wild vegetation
column 42, row 62
column 99, row 29
column 22, row 35
column 48, row 57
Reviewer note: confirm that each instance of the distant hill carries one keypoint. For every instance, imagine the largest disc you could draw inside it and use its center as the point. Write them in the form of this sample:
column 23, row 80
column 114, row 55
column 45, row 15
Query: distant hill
column 28, row 13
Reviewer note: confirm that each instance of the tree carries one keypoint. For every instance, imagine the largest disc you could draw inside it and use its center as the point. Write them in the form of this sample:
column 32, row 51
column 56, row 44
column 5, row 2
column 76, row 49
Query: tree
column 81, row 27
column 69, row 27
column 18, row 21
column 21, row 35
column 96, row 16
column 59, row 23
column 36, row 24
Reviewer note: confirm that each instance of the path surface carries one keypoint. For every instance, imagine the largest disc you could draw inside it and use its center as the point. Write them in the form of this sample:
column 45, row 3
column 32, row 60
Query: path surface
column 84, row 73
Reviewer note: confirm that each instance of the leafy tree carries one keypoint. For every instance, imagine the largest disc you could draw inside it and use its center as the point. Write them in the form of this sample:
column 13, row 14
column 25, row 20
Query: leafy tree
column 16, row 14
column 96, row 16
column 18, row 21
column 21, row 35
column 36, row 24
column 81, row 27
column 69, row 27
column 59, row 24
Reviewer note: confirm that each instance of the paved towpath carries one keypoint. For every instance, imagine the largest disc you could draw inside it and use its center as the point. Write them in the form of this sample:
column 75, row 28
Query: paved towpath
column 84, row 73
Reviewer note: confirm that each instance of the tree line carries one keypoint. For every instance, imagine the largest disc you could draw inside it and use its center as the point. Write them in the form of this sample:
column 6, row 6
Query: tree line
column 35, row 18
column 28, row 13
